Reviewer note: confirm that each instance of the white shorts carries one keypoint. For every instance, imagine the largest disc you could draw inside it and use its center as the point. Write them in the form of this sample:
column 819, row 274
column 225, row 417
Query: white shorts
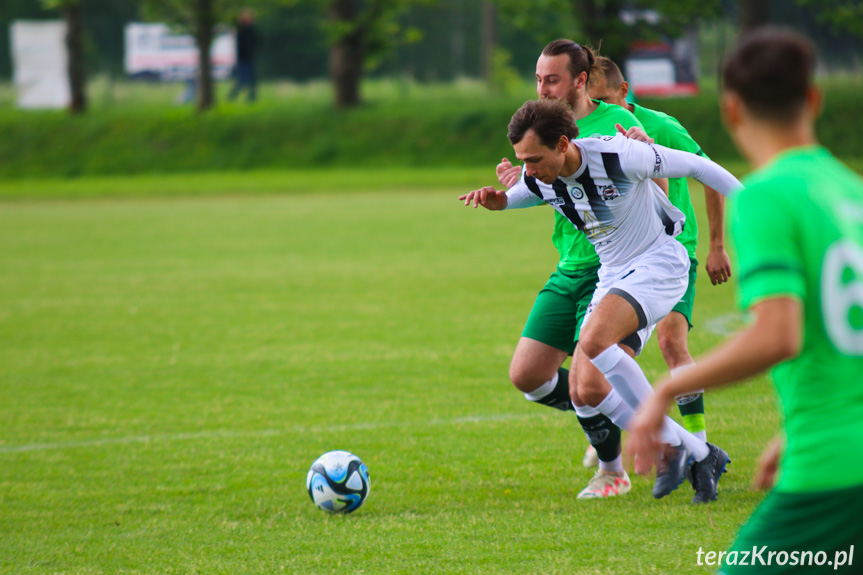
column 652, row 283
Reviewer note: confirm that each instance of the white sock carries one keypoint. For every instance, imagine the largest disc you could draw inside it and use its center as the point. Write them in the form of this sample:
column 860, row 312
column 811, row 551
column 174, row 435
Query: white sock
column 697, row 447
column 543, row 389
column 615, row 466
column 680, row 368
column 585, row 411
column 627, row 379
column 617, row 410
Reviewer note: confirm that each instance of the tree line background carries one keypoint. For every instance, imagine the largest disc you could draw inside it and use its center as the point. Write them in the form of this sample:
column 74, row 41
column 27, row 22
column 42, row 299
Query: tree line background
column 422, row 40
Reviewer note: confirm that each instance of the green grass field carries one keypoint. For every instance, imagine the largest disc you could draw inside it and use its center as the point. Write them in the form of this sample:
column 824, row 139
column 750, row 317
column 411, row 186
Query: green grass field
column 170, row 366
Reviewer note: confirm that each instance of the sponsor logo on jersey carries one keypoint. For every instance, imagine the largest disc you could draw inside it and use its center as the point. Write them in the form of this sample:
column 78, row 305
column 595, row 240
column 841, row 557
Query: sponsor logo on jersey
column 657, row 166
column 555, row 201
column 577, row 192
column 608, row 192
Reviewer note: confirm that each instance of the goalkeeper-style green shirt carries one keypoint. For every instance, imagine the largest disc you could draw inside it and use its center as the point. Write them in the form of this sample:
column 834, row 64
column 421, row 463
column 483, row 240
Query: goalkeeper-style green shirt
column 798, row 229
column 668, row 132
column 576, row 251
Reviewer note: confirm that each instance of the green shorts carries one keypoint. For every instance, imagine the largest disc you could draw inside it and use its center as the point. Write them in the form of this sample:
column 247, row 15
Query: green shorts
column 559, row 308
column 806, row 533
column 686, row 303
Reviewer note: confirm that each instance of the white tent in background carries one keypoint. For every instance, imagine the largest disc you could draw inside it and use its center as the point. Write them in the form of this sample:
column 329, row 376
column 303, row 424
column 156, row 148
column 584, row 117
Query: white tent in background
column 40, row 62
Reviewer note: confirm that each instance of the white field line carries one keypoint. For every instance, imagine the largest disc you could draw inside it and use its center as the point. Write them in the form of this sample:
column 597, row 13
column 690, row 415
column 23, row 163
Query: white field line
column 725, row 325
column 218, row 434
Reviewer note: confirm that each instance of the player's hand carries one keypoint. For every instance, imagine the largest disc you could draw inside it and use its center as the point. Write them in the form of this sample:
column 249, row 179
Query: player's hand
column 718, row 266
column 507, row 174
column 768, row 465
column 487, row 197
column 634, row 133
column 644, row 445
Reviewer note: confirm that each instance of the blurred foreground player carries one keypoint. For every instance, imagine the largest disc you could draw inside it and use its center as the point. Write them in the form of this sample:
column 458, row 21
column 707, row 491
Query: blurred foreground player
column 798, row 229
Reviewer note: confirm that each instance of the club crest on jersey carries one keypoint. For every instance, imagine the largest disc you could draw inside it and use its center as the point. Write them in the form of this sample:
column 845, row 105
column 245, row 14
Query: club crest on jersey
column 608, row 192
column 577, row 192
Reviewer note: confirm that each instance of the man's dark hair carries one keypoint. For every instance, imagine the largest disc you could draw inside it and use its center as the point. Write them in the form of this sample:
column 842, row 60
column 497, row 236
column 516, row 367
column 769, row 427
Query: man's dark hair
column 549, row 119
column 581, row 58
column 607, row 68
column 771, row 70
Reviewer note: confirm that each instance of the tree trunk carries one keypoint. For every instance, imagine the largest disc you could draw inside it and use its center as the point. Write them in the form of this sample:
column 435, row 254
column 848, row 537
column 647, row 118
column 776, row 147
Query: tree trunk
column 603, row 30
column 587, row 13
column 204, row 36
column 75, row 49
column 489, row 40
column 347, row 54
column 753, row 14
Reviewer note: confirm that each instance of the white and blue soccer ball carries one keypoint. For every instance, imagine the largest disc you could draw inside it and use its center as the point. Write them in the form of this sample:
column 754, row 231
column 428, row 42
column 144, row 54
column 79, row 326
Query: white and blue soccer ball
column 338, row 482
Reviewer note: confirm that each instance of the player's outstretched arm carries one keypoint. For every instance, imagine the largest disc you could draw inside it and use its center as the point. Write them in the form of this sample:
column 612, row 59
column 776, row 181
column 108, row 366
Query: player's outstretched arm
column 638, row 133
column 718, row 264
column 507, row 174
column 487, row 197
column 669, row 163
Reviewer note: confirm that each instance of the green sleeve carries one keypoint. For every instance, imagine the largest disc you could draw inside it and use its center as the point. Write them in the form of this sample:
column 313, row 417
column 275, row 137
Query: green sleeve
column 628, row 120
column 765, row 231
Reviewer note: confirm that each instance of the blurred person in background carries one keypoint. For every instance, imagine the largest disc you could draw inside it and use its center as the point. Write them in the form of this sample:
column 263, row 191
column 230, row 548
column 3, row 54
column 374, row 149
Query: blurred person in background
column 247, row 44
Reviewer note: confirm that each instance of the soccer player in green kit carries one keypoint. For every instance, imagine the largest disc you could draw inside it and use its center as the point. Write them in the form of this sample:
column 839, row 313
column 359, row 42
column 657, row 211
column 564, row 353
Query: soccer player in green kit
column 798, row 229
column 609, row 86
column 552, row 328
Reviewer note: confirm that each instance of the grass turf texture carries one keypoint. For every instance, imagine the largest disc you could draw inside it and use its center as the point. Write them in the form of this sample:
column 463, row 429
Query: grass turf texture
column 170, row 367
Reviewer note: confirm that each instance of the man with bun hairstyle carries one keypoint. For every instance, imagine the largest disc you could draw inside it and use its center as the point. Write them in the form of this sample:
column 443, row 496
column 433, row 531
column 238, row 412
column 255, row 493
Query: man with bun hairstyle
column 563, row 71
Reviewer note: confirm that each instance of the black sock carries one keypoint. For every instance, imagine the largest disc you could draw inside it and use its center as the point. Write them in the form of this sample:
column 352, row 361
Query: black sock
column 559, row 396
column 603, row 435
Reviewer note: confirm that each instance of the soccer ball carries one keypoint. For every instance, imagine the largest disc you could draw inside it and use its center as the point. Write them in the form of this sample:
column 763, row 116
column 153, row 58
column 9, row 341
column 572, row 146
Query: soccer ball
column 338, row 482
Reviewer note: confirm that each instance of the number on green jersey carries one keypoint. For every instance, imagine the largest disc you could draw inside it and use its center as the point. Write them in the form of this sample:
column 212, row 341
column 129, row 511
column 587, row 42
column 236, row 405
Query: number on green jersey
column 842, row 296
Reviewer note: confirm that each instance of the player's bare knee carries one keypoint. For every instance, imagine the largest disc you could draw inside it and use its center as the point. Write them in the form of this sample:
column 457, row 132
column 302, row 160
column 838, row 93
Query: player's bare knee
column 591, row 396
column 592, row 346
column 522, row 380
column 592, row 388
column 528, row 377
column 674, row 348
column 573, row 388
column 672, row 337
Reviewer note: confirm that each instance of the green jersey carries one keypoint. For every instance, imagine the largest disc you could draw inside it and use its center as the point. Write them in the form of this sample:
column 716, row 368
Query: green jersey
column 576, row 251
column 668, row 132
column 798, row 228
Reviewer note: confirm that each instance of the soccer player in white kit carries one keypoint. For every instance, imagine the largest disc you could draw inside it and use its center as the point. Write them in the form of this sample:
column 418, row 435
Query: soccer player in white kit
column 603, row 187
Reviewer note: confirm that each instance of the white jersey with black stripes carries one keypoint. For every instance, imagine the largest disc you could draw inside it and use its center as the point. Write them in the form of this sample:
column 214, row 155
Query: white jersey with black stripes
column 612, row 199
